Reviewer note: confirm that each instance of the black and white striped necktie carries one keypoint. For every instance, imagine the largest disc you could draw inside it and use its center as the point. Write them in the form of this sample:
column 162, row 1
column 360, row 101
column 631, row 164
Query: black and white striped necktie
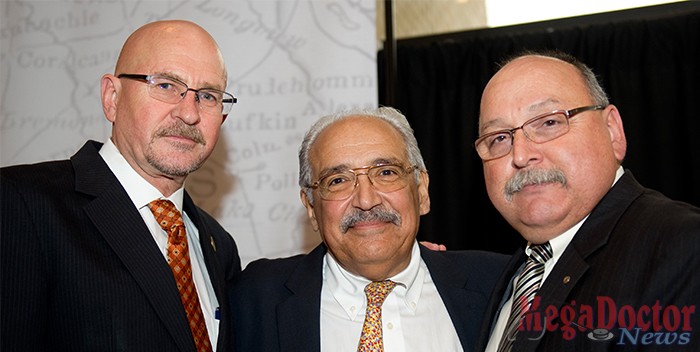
column 525, row 289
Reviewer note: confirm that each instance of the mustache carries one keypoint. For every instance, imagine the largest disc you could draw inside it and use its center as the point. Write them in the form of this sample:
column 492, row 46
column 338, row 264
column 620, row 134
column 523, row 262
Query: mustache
column 182, row 130
column 374, row 214
column 532, row 177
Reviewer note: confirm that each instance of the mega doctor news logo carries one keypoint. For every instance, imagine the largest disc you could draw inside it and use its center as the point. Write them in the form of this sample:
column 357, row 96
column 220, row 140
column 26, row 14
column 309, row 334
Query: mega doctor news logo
column 646, row 325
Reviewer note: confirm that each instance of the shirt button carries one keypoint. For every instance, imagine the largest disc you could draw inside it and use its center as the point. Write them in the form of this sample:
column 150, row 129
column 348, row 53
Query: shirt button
column 389, row 326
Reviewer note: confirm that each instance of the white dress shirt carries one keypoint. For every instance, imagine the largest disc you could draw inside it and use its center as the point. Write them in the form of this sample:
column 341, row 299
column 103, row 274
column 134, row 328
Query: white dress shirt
column 558, row 244
column 414, row 318
column 141, row 193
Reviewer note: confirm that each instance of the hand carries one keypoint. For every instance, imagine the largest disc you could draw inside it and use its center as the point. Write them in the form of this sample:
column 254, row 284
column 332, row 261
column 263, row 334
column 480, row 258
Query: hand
column 433, row 246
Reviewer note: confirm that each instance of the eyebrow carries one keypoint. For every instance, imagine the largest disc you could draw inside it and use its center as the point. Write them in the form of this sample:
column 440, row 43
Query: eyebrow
column 532, row 109
column 538, row 106
column 171, row 75
column 345, row 167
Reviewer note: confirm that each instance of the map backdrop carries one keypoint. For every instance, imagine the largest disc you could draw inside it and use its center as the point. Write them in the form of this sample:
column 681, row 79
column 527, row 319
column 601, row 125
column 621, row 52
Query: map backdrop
column 289, row 62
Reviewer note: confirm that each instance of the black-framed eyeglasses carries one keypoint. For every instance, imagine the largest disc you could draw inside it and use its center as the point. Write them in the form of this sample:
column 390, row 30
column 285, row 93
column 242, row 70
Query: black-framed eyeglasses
column 539, row 129
column 383, row 177
column 171, row 90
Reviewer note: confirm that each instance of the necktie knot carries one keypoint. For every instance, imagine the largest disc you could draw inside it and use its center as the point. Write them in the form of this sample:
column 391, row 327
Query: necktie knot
column 541, row 252
column 169, row 219
column 377, row 291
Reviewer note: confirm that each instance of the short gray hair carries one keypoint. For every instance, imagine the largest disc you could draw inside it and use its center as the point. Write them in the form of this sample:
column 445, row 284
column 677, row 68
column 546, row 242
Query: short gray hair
column 388, row 114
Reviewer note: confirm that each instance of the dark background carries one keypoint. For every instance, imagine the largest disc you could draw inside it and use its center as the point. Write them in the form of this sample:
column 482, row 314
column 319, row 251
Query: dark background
column 648, row 61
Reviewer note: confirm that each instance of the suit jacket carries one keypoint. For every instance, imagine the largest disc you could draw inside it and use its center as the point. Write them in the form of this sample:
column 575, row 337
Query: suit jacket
column 277, row 303
column 637, row 249
column 80, row 270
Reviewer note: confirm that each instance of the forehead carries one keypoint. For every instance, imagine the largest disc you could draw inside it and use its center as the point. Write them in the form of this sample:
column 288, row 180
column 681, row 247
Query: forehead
column 184, row 51
column 357, row 141
column 530, row 86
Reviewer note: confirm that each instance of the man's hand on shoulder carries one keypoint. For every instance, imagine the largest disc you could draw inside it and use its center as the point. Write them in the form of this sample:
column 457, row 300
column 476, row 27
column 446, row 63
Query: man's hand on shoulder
column 433, row 246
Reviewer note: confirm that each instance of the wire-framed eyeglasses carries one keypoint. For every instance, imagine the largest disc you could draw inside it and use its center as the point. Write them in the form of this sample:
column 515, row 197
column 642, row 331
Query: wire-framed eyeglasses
column 383, row 177
column 539, row 129
column 171, row 90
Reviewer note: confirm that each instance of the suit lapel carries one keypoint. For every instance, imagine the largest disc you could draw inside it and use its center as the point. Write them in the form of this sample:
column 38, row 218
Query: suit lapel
column 553, row 293
column 121, row 225
column 463, row 300
column 500, row 293
column 299, row 316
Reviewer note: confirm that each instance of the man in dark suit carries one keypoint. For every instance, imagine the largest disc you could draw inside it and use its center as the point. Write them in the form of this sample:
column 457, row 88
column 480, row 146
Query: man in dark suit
column 619, row 269
column 364, row 185
column 83, row 258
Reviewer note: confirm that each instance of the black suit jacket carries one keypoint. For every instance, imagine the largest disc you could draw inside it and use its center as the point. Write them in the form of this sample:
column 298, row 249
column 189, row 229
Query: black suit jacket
column 636, row 248
column 277, row 303
column 80, row 270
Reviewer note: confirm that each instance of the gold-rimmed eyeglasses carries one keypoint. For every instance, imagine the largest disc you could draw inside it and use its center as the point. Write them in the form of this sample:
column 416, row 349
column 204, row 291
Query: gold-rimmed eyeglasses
column 539, row 129
column 383, row 177
column 171, row 90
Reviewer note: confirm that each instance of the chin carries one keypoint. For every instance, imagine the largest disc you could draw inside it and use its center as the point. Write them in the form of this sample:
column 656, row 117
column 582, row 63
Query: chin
column 177, row 170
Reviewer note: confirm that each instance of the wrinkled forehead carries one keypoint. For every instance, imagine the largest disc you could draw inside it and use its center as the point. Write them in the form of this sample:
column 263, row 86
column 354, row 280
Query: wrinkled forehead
column 357, row 141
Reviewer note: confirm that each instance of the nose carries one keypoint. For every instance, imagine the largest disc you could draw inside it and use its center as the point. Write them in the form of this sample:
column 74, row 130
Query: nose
column 525, row 151
column 187, row 109
column 366, row 196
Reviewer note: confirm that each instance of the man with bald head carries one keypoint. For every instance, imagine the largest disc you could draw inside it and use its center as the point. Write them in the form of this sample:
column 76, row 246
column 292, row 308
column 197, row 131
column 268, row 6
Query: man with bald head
column 609, row 265
column 107, row 251
column 364, row 186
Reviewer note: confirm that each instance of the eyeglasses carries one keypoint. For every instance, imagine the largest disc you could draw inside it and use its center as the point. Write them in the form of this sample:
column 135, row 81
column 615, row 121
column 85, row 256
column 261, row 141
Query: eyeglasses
column 539, row 129
column 383, row 177
column 171, row 90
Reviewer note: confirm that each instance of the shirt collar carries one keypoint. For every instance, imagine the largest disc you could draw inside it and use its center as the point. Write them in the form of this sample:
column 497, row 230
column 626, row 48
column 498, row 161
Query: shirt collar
column 348, row 289
column 139, row 190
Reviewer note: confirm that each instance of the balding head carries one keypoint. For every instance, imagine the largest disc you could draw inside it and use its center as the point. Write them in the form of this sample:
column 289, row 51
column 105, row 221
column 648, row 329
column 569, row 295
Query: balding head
column 147, row 44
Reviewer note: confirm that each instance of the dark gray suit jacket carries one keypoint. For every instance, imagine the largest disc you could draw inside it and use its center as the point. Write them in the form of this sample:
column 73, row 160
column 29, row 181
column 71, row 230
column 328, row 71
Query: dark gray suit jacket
column 636, row 248
column 276, row 303
column 80, row 270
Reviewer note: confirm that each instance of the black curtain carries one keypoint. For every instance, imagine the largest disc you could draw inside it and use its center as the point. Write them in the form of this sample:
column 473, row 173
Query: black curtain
column 648, row 61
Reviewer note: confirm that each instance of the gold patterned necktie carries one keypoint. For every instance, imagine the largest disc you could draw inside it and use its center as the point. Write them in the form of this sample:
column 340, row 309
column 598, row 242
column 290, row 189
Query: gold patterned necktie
column 525, row 290
column 170, row 220
column 371, row 339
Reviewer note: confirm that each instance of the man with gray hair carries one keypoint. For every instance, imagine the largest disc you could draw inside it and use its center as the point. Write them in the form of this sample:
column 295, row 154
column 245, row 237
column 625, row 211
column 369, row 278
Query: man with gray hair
column 369, row 285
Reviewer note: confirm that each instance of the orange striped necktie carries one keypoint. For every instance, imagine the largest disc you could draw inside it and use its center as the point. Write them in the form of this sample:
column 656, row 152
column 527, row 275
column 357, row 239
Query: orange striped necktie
column 170, row 220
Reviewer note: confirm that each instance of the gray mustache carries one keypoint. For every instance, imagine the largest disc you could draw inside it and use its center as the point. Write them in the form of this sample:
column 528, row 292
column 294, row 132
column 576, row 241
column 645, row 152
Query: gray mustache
column 183, row 130
column 374, row 214
column 532, row 177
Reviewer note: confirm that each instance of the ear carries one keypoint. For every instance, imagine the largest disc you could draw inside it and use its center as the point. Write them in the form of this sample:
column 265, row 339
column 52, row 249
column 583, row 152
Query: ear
column 613, row 122
column 423, row 195
column 309, row 210
column 110, row 86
